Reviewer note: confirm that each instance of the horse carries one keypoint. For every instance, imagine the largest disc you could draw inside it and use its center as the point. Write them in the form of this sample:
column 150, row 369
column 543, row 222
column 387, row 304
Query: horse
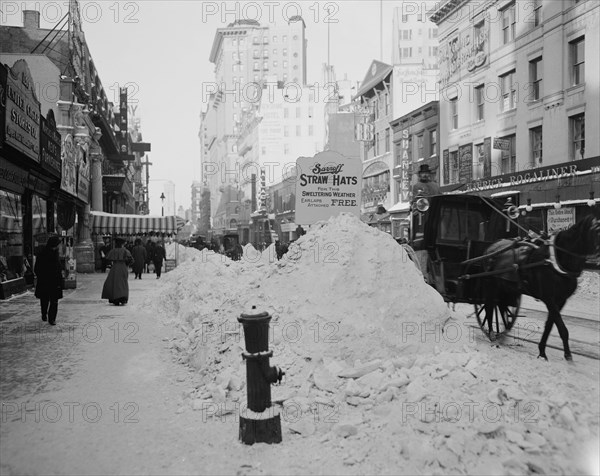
column 544, row 269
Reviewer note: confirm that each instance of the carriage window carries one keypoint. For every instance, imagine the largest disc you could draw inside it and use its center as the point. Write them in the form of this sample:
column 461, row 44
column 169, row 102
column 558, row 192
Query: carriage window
column 462, row 225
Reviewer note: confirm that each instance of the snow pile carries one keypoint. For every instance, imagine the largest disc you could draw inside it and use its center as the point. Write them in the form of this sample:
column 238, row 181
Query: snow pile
column 588, row 285
column 372, row 363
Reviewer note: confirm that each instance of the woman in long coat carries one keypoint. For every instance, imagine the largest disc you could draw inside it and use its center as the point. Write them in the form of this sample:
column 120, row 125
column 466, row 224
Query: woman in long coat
column 139, row 258
column 116, row 287
column 48, row 288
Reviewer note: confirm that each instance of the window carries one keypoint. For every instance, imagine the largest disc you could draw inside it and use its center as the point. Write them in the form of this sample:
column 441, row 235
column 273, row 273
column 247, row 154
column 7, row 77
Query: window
column 406, row 34
column 285, row 52
column 255, row 41
column 310, row 130
column 285, row 64
column 256, row 66
column 508, row 23
column 454, row 114
column 286, row 131
column 256, row 54
column 420, row 154
column 453, row 175
column 509, row 93
column 311, row 109
column 508, row 158
column 479, row 36
column 535, row 78
column 284, row 38
column 578, row 61
column 298, row 131
column 577, row 132
column 387, row 139
column 535, row 137
column 266, row 65
column 479, row 102
column 433, row 142
column 274, row 38
column 274, row 64
column 286, row 148
column 266, row 40
column 376, row 143
column 275, row 52
column 298, row 113
column 286, row 113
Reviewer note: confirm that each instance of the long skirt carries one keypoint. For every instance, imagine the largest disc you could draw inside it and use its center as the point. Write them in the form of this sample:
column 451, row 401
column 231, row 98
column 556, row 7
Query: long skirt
column 116, row 286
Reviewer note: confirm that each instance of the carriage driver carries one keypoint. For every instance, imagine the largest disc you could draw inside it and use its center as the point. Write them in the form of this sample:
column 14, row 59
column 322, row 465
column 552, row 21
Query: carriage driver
column 425, row 187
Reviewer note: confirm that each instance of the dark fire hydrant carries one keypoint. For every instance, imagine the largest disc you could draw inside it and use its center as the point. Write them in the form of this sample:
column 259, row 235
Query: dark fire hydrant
column 260, row 423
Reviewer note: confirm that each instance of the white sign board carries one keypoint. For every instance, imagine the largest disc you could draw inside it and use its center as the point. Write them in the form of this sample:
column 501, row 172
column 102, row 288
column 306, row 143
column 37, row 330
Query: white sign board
column 326, row 185
column 560, row 219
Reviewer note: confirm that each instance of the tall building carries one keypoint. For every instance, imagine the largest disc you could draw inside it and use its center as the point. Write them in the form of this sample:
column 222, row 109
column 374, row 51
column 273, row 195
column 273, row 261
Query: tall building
column 244, row 54
column 519, row 86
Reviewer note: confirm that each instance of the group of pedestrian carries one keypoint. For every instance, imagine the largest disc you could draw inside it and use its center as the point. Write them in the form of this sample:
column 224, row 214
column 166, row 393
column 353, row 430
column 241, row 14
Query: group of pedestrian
column 48, row 269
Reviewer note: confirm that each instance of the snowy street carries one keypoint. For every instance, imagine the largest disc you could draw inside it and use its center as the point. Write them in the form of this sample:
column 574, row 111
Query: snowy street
column 372, row 383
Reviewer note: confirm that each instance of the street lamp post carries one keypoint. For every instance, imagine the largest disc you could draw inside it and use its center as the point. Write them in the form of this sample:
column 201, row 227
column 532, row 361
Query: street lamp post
column 162, row 200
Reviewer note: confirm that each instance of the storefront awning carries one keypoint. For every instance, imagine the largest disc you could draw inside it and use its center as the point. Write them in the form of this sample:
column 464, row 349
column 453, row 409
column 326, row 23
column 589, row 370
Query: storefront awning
column 135, row 224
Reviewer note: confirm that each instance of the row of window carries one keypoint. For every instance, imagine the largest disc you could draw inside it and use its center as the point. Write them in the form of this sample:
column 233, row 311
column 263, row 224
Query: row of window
column 408, row 51
column 508, row 85
column 261, row 40
column 508, row 158
column 408, row 34
column 257, row 77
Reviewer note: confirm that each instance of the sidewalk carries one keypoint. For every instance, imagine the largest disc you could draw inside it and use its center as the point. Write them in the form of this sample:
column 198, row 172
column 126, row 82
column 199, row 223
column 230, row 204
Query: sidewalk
column 99, row 392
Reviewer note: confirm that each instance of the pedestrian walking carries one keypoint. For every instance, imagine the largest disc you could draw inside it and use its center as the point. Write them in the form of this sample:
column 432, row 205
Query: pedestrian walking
column 149, row 254
column 103, row 249
column 158, row 256
column 49, row 280
column 139, row 258
column 116, row 287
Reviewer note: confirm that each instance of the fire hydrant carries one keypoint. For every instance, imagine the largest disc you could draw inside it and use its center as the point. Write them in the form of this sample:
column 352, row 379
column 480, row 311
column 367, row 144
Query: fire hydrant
column 260, row 423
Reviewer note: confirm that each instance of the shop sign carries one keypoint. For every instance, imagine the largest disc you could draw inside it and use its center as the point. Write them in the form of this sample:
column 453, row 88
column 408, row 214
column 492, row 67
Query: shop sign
column 22, row 120
column 466, row 51
column 446, row 164
column 487, row 156
column 465, row 163
column 3, row 74
column 12, row 178
column 327, row 185
column 50, row 148
column 560, row 219
column 123, row 121
column 68, row 181
column 404, row 167
column 501, row 144
column 528, row 176
column 113, row 184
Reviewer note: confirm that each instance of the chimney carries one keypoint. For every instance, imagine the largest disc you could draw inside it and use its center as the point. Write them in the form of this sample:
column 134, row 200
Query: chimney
column 31, row 19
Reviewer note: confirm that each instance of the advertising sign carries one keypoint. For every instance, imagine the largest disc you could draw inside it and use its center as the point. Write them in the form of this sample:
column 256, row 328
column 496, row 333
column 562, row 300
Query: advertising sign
column 446, row 163
column 83, row 174
column 68, row 181
column 3, row 74
column 465, row 163
column 467, row 50
column 405, row 167
column 501, row 144
column 487, row 156
column 560, row 219
column 327, row 185
column 123, row 120
column 22, row 121
column 50, row 145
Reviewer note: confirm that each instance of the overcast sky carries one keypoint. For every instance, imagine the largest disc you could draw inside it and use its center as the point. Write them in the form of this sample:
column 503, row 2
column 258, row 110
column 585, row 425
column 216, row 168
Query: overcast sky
column 160, row 49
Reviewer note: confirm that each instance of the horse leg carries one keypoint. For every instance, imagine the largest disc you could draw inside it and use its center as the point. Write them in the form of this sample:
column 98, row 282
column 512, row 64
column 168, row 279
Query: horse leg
column 563, row 332
column 545, row 334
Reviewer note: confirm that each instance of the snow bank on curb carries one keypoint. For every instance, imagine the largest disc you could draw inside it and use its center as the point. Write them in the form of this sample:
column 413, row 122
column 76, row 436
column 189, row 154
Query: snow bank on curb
column 373, row 361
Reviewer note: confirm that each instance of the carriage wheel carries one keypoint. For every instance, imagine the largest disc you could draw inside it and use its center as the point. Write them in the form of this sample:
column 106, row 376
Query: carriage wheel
column 503, row 318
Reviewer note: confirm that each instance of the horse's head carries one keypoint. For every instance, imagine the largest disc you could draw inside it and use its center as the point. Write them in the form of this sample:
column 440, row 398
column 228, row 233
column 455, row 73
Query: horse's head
column 594, row 231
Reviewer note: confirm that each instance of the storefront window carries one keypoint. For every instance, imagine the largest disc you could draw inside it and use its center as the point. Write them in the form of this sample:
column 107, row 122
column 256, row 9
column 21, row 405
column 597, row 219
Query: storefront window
column 11, row 236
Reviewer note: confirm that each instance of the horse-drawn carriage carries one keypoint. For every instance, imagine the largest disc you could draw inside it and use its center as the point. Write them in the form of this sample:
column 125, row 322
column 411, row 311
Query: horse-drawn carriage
column 471, row 249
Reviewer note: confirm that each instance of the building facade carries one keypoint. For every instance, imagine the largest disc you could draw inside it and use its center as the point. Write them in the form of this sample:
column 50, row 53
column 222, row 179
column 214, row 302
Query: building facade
column 519, row 86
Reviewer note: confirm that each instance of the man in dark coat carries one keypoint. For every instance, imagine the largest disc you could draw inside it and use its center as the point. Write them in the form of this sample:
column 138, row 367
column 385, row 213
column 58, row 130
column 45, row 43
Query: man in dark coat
column 49, row 280
column 149, row 254
column 139, row 258
column 158, row 256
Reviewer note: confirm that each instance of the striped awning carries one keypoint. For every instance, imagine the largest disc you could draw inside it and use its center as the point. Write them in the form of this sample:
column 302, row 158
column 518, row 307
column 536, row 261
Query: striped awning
column 107, row 223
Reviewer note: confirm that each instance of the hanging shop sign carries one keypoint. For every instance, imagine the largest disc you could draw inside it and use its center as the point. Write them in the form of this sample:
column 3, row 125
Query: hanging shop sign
column 327, row 185
column 68, row 181
column 487, row 156
column 113, row 184
column 404, row 166
column 501, row 144
column 123, row 121
column 560, row 219
column 466, row 51
column 446, row 165
column 3, row 74
column 12, row 178
column 22, row 117
column 50, row 147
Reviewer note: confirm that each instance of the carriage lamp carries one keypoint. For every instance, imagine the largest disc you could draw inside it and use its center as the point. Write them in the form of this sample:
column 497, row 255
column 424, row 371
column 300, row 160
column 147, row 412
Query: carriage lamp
column 591, row 202
column 529, row 208
column 557, row 204
column 422, row 204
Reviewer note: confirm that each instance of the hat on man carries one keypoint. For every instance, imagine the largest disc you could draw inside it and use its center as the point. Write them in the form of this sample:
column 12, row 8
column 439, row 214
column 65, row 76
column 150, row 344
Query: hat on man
column 424, row 169
column 53, row 242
